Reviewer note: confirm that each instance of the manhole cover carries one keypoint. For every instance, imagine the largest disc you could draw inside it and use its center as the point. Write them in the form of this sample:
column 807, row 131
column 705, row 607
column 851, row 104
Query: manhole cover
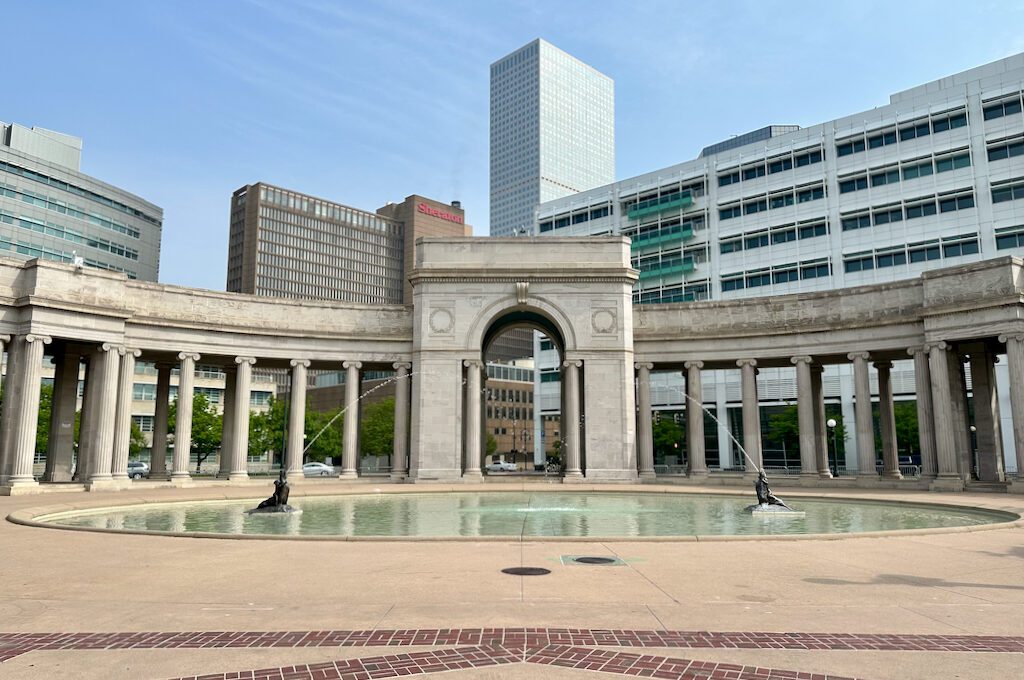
column 594, row 560
column 526, row 571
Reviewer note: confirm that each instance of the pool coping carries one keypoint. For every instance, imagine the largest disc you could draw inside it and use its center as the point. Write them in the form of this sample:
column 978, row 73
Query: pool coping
column 32, row 517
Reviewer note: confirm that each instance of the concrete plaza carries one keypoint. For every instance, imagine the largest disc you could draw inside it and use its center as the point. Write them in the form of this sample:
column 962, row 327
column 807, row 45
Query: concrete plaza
column 852, row 607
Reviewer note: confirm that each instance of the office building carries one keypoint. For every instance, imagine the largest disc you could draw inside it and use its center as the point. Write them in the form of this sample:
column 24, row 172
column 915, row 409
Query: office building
column 552, row 134
column 50, row 209
column 287, row 244
column 933, row 179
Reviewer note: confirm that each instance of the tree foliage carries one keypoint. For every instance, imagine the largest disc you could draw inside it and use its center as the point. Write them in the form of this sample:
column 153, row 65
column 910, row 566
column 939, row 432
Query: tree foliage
column 377, row 428
column 207, row 427
column 668, row 437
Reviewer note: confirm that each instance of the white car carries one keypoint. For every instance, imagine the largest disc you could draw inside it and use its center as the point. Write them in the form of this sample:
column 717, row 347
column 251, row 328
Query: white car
column 137, row 469
column 501, row 466
column 317, row 470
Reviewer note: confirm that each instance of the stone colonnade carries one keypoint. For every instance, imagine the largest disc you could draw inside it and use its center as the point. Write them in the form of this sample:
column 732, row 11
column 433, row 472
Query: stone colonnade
column 947, row 456
column 105, row 429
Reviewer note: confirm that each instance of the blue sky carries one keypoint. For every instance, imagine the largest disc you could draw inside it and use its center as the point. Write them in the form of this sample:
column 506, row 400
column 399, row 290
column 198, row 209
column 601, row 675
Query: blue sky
column 182, row 102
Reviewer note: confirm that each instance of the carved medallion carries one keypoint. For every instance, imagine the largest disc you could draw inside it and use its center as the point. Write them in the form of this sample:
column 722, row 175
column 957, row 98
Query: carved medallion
column 603, row 321
column 441, row 321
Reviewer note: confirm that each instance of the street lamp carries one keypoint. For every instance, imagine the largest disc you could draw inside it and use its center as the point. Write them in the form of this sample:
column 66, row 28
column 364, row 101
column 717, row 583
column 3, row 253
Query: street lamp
column 831, row 424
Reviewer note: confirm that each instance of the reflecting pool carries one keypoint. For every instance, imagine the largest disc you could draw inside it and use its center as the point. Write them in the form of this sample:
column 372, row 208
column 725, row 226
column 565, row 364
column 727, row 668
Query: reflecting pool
column 526, row 514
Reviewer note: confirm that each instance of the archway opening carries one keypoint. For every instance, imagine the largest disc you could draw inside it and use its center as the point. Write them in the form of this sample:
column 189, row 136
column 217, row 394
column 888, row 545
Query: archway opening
column 522, row 434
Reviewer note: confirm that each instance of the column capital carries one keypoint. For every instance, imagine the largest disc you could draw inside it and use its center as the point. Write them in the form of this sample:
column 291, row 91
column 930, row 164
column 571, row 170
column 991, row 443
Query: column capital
column 940, row 345
column 299, row 362
column 245, row 360
column 917, row 349
column 351, row 364
column 35, row 337
column 880, row 365
column 399, row 365
column 4, row 337
column 473, row 363
column 693, row 364
column 1019, row 337
column 746, row 362
column 643, row 365
column 853, row 356
column 801, row 360
column 188, row 355
column 110, row 347
column 572, row 362
column 123, row 351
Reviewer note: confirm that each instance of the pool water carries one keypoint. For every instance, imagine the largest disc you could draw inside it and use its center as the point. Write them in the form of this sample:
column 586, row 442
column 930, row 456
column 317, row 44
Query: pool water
column 526, row 514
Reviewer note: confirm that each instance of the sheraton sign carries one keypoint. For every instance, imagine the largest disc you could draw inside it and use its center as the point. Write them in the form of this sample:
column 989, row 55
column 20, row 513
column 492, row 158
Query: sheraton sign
column 437, row 212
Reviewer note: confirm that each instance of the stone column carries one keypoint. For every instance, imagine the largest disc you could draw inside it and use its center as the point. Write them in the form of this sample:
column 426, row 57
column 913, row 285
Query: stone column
column 751, row 416
column 961, row 413
column 820, row 429
column 571, row 419
column 227, row 422
column 695, row 420
column 471, row 463
column 10, row 418
column 805, row 417
column 86, row 426
column 23, row 396
column 644, row 428
column 103, row 406
column 158, row 455
column 4, row 339
column 400, row 462
column 183, row 422
column 1015, row 363
column 296, row 418
column 350, row 443
column 986, row 416
column 862, row 416
column 240, row 420
column 887, row 421
column 60, row 449
column 948, row 477
column 123, row 417
column 925, row 414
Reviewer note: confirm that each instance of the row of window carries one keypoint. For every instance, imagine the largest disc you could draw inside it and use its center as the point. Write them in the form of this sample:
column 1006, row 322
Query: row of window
column 510, row 412
column 1008, row 192
column 780, row 234
column 955, row 246
column 922, row 128
column 40, row 252
column 43, row 201
column 76, row 190
column 1007, row 107
column 147, row 392
column 69, row 234
column 914, row 208
column 908, row 169
column 1010, row 237
column 771, row 166
column 698, row 290
column 694, row 189
column 1006, row 149
column 511, row 396
column 782, row 273
column 773, row 201
column 563, row 221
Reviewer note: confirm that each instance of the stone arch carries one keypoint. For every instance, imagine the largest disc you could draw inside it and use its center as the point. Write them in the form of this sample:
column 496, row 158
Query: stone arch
column 538, row 313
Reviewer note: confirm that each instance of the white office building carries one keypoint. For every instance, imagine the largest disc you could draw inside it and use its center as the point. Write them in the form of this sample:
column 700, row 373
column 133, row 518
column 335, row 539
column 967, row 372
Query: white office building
column 934, row 178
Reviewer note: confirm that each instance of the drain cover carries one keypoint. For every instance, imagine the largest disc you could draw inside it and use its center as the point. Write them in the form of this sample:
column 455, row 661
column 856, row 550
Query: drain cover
column 594, row 560
column 526, row 571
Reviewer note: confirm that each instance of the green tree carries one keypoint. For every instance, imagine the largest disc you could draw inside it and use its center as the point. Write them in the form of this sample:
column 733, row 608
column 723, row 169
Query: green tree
column 907, row 435
column 784, row 428
column 207, row 427
column 667, row 437
column 136, row 442
column 43, row 423
column 492, row 444
column 267, row 428
column 328, row 444
column 377, row 428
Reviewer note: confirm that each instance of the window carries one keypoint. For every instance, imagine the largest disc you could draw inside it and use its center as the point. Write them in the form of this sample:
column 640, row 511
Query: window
column 781, row 200
column 808, row 158
column 891, row 259
column 888, row 215
column 887, row 177
column 953, row 162
column 755, row 206
column 732, row 284
column 917, row 170
column 756, row 240
column 758, row 279
column 144, row 392
column 783, row 235
column 969, row 247
column 856, row 222
column 561, row 222
column 731, row 246
column 882, row 139
column 812, row 194
column 780, row 165
column 144, row 423
column 729, row 213
column 753, row 172
column 921, row 252
column 786, row 275
column 812, row 230
column 950, row 122
column 850, row 148
column 1011, row 237
column 599, row 213
column 855, row 184
column 729, row 178
column 815, row 270
column 920, row 209
column 859, row 262
column 1007, row 150
column 1008, row 192
column 580, row 217
column 957, row 203
column 920, row 130
column 1005, row 108
column 546, row 226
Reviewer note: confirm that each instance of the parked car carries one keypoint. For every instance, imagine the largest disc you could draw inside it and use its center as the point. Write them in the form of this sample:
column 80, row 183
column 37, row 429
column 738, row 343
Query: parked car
column 317, row 470
column 501, row 466
column 137, row 469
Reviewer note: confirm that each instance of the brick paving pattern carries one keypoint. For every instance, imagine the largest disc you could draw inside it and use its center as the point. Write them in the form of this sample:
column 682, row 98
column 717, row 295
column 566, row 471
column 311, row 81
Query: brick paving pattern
column 477, row 647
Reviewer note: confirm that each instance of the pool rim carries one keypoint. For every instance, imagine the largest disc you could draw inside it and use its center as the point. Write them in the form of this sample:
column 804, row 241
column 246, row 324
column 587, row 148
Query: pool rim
column 37, row 516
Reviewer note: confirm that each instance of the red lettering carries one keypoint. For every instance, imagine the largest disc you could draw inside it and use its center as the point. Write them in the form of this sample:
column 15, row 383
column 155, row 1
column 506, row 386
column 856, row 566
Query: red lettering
column 437, row 212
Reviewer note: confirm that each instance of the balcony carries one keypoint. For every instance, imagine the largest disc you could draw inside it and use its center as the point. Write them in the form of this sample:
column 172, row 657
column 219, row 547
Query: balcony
column 653, row 206
column 683, row 267
column 657, row 238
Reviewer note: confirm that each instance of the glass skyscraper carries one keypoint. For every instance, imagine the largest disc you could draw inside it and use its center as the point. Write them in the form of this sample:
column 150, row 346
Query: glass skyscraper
column 552, row 132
